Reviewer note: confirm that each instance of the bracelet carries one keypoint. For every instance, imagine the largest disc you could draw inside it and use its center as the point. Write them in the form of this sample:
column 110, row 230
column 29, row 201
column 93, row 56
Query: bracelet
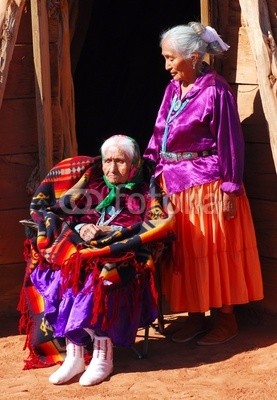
column 116, row 228
column 79, row 227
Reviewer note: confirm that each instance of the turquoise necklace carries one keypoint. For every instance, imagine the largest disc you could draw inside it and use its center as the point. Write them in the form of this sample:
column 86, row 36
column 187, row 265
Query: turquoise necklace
column 108, row 210
column 177, row 106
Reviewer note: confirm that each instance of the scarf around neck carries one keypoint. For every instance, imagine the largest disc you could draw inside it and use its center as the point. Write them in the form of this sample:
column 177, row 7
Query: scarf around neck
column 115, row 189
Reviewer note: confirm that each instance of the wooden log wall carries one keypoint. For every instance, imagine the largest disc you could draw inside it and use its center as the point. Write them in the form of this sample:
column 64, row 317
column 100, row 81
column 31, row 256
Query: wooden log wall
column 19, row 157
column 239, row 68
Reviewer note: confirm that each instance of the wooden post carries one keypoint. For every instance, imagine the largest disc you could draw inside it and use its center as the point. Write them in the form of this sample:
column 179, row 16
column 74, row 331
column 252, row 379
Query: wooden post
column 205, row 12
column 205, row 20
column 255, row 14
column 10, row 16
column 43, row 84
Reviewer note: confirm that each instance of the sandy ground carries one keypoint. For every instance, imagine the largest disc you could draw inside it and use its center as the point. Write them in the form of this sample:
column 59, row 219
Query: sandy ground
column 244, row 368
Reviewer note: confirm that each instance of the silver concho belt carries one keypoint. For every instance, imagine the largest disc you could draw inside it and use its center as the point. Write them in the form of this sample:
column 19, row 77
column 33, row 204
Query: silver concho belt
column 186, row 155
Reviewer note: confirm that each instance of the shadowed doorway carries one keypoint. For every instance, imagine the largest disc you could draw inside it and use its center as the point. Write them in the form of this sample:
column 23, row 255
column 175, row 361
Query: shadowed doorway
column 120, row 77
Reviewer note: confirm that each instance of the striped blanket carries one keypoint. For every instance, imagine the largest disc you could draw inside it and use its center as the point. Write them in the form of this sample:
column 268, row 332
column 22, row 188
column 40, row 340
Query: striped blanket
column 49, row 240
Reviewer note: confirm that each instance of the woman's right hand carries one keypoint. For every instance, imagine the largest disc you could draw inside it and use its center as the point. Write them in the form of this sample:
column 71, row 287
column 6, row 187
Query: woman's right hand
column 229, row 205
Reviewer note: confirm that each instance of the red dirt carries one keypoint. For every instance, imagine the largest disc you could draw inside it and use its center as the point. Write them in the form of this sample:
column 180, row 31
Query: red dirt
column 244, row 368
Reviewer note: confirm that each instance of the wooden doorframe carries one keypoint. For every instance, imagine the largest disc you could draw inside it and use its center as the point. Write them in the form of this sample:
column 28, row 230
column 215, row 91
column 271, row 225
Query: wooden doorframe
column 10, row 17
column 205, row 12
column 40, row 34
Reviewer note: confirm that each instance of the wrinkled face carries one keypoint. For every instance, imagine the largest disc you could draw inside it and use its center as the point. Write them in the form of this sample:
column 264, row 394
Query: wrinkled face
column 179, row 69
column 116, row 165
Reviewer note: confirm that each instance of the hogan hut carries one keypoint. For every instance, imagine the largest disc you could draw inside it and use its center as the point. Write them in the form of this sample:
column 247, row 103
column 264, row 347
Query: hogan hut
column 74, row 71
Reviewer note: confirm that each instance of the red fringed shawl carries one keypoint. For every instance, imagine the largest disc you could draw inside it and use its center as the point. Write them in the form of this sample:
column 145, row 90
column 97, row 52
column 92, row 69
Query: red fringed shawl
column 57, row 244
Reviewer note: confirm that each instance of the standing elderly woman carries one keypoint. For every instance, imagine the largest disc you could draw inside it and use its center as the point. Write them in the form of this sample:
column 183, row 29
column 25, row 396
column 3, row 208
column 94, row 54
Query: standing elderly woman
column 198, row 150
column 115, row 200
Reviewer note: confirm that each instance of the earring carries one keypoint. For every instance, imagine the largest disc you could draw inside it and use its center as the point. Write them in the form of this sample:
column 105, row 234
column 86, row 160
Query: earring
column 193, row 64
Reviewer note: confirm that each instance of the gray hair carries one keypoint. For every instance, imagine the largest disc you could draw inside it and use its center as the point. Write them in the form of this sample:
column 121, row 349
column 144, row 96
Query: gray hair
column 187, row 39
column 127, row 144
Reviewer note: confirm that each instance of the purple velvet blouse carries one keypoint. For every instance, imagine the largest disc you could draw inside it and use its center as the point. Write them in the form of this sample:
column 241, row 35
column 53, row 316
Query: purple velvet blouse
column 209, row 120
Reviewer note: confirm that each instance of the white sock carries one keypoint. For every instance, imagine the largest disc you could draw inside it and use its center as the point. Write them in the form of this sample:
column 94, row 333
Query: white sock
column 101, row 365
column 73, row 364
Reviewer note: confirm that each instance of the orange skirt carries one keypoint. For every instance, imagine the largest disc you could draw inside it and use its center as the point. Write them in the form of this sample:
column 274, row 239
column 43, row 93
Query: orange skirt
column 215, row 261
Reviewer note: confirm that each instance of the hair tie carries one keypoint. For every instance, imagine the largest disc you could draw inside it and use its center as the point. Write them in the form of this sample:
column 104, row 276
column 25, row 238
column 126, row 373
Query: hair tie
column 210, row 35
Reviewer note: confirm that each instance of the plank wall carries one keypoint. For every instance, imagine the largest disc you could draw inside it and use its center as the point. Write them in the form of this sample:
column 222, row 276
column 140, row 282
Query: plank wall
column 19, row 158
column 238, row 67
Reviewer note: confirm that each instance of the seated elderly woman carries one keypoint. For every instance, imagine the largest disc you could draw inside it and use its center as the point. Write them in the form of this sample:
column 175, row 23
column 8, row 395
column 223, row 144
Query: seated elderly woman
column 99, row 300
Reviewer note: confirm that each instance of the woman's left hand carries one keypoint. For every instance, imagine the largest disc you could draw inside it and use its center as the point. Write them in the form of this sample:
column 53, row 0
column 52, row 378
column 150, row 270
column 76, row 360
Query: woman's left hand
column 229, row 205
column 91, row 231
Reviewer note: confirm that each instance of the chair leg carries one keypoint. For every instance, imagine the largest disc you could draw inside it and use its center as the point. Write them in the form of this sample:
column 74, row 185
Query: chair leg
column 160, row 320
column 145, row 342
column 160, row 325
column 160, row 298
column 144, row 352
